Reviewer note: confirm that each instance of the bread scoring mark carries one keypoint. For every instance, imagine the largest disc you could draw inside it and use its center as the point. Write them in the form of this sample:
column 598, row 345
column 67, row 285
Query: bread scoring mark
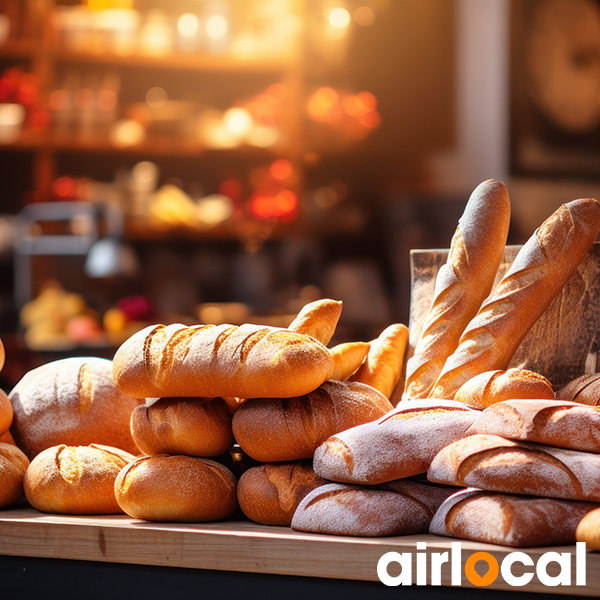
column 115, row 458
column 148, row 342
column 338, row 447
column 85, row 388
column 68, row 463
column 222, row 337
column 409, row 414
column 428, row 511
column 518, row 281
column 328, row 494
column 245, row 346
column 554, row 233
column 324, row 406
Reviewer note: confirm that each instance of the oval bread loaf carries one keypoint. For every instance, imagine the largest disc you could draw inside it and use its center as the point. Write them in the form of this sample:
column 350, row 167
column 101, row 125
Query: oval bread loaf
column 192, row 426
column 71, row 401
column 75, row 480
column 6, row 412
column 277, row 430
column 13, row 465
column 176, row 488
column 583, row 390
column 212, row 361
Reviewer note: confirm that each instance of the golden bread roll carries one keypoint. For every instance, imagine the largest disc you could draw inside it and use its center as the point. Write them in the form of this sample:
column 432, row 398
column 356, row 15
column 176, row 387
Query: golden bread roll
column 383, row 367
column 7, row 438
column 462, row 284
column 284, row 429
column 537, row 274
column 13, row 464
column 210, row 361
column 583, row 390
column 75, row 480
column 588, row 530
column 71, row 401
column 176, row 488
column 517, row 521
column 347, row 358
column 400, row 507
column 318, row 319
column 6, row 413
column 563, row 424
column 491, row 387
column 269, row 494
column 400, row 444
column 193, row 426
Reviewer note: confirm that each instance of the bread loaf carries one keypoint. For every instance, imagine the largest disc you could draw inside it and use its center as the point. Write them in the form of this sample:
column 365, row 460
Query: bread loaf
column 588, row 530
column 75, row 480
column 7, row 438
column 564, row 424
column 462, row 284
column 269, row 494
column 284, row 429
column 6, row 413
column 71, row 401
column 318, row 319
column 397, row 508
column 491, row 387
column 583, row 390
column 493, row 463
column 347, row 358
column 193, row 426
column 13, row 464
column 517, row 521
column 400, row 444
column 208, row 361
column 538, row 272
column 176, row 488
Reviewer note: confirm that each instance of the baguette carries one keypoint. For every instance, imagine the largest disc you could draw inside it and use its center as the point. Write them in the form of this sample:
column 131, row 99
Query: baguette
column 493, row 463
column 537, row 274
column 516, row 521
column 220, row 361
column 347, row 358
column 318, row 319
column 563, row 424
column 583, row 390
column 277, row 430
column 395, row 508
column 462, row 284
column 13, row 465
column 400, row 444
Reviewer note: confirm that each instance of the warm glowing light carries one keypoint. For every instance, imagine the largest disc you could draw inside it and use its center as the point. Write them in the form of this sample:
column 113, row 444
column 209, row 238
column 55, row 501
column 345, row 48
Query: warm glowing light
column 156, row 97
column 281, row 169
column 364, row 16
column 326, row 96
column 58, row 100
column 64, row 187
column 107, row 100
column 263, row 136
column 286, row 204
column 238, row 121
column 339, row 18
column 127, row 132
column 371, row 119
column 230, row 188
column 353, row 106
column 216, row 27
column 84, row 98
column 368, row 100
column 188, row 25
column 282, row 206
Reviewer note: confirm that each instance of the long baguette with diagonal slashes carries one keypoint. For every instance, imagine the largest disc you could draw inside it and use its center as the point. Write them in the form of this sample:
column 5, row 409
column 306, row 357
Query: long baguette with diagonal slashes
column 537, row 274
column 462, row 284
column 248, row 361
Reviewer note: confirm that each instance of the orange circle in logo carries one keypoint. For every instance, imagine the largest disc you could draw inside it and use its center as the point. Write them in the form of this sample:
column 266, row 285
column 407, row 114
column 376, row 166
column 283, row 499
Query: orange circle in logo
column 473, row 576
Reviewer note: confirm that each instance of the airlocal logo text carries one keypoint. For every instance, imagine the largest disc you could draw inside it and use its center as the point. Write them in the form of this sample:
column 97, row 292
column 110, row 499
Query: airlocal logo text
column 505, row 568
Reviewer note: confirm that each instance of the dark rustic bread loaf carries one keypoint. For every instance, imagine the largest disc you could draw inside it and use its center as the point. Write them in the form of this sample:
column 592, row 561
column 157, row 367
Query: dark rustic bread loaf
column 584, row 390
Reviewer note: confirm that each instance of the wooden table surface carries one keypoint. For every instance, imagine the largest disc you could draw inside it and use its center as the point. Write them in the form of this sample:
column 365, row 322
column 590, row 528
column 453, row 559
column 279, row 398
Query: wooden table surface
column 243, row 546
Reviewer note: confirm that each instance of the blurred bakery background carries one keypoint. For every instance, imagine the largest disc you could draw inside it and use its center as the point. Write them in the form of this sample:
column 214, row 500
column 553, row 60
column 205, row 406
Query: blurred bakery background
column 230, row 160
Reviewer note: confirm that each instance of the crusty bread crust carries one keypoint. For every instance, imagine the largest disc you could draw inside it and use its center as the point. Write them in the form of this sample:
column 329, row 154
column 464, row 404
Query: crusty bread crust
column 584, row 390
column 13, row 464
column 6, row 412
column 318, row 319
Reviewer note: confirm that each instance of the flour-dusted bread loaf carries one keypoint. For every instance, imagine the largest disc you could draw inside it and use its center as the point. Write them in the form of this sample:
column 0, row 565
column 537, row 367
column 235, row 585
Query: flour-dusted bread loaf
column 348, row 357
column 13, row 464
column 588, row 530
column 583, row 390
column 396, row 508
column 400, row 444
column 75, row 480
column 269, row 494
column 537, row 274
column 176, row 488
column 71, row 401
column 517, row 521
column 207, row 361
column 284, row 429
column 318, row 319
column 564, row 424
column 193, row 426
column 462, row 284
column 493, row 463
column 6, row 412
column 497, row 386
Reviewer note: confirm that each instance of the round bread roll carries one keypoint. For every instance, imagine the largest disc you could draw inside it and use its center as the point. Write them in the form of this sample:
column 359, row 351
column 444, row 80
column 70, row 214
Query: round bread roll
column 269, row 494
column 176, row 488
column 588, row 530
column 192, row 426
column 6, row 413
column 285, row 429
column 13, row 464
column 75, row 480
column 71, row 401
column 584, row 390
column 497, row 386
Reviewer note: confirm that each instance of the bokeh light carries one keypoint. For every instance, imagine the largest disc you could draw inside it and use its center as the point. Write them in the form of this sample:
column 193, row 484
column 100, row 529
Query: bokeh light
column 339, row 18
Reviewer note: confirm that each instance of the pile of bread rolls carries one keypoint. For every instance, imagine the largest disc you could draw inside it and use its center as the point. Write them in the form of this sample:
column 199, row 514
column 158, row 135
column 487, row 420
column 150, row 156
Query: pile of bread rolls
column 192, row 423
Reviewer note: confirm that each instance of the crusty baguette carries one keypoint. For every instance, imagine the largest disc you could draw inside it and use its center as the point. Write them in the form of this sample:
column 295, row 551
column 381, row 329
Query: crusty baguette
column 192, row 426
column 400, row 444
column 284, row 429
column 220, row 360
column 318, row 319
column 13, row 465
column 348, row 357
column 563, row 424
column 400, row 507
column 462, row 284
column 584, row 390
column 269, row 494
column 517, row 521
column 588, row 530
column 383, row 367
column 493, row 463
column 491, row 387
column 6, row 412
column 537, row 274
